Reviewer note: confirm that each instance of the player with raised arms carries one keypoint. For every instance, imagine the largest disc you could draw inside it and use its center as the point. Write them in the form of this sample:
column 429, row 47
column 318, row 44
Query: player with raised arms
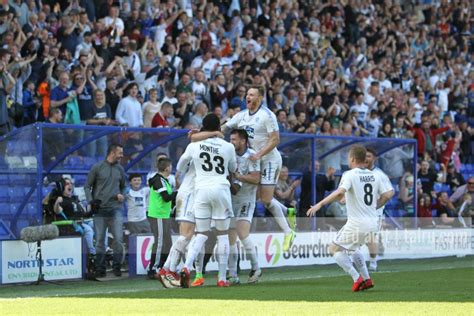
column 364, row 194
column 375, row 241
column 244, row 195
column 213, row 159
column 264, row 136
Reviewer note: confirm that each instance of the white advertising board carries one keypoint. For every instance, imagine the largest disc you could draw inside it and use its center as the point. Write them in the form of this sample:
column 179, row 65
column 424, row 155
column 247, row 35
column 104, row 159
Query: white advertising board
column 61, row 260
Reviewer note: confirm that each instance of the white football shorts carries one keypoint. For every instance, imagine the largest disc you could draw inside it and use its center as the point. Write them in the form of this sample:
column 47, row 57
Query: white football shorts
column 185, row 206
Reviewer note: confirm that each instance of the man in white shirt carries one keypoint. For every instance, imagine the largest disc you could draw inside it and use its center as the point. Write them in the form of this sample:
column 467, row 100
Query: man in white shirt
column 364, row 194
column 132, row 60
column 361, row 108
column 114, row 23
column 129, row 110
column 213, row 159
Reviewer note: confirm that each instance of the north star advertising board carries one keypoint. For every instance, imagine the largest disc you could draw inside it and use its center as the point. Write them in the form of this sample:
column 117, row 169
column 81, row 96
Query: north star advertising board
column 62, row 260
column 312, row 248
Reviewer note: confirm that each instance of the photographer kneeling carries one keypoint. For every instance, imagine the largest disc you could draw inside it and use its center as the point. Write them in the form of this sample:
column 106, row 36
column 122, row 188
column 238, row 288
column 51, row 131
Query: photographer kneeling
column 69, row 214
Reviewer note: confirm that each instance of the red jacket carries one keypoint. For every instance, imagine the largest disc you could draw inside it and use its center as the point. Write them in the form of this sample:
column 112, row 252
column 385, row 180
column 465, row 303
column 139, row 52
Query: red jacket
column 159, row 121
column 421, row 137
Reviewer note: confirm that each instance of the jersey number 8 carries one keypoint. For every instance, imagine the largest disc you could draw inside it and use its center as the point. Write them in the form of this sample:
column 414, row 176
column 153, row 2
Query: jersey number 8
column 368, row 196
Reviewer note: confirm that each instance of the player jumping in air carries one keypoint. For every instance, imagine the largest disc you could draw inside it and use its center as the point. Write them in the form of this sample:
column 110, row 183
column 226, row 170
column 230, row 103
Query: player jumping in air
column 364, row 194
column 262, row 128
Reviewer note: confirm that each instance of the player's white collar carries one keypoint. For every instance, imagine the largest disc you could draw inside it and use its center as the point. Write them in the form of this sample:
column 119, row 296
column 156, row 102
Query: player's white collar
column 259, row 107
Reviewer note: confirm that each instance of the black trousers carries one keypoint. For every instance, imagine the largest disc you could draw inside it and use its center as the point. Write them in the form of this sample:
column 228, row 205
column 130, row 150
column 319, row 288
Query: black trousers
column 161, row 229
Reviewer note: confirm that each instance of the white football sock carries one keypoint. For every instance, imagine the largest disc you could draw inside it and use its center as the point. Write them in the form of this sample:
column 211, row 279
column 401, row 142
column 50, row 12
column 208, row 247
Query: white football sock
column 223, row 255
column 199, row 263
column 177, row 251
column 343, row 260
column 359, row 262
column 284, row 209
column 280, row 218
column 251, row 252
column 233, row 257
column 194, row 248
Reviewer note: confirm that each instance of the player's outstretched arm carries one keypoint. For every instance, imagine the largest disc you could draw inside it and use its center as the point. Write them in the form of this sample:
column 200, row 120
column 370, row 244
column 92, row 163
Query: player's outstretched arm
column 196, row 136
column 273, row 141
column 334, row 196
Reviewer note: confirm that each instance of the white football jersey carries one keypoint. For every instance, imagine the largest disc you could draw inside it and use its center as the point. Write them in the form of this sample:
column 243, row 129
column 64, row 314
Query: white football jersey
column 187, row 185
column 245, row 166
column 258, row 125
column 386, row 185
column 213, row 158
column 363, row 187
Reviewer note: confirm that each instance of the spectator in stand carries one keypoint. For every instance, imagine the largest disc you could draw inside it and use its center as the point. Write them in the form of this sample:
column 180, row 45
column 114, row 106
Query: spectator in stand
column 199, row 113
column 426, row 137
column 238, row 101
column 161, row 118
column 151, row 107
column 53, row 145
column 101, row 115
column 323, row 184
column 428, row 176
column 446, row 210
column 467, row 188
column 112, row 95
column 424, row 210
column 407, row 194
column 285, row 188
column 453, row 178
column 61, row 95
column 129, row 110
column 182, row 109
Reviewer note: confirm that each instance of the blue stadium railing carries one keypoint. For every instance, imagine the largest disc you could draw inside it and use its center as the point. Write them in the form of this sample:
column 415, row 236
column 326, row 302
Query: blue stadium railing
column 23, row 167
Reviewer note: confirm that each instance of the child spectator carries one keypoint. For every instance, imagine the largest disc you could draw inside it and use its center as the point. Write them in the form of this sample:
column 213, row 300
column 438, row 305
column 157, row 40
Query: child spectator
column 136, row 203
column 159, row 210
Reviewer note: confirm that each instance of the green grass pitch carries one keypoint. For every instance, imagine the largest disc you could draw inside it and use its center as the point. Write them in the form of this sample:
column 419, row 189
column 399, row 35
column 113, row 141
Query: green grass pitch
column 430, row 286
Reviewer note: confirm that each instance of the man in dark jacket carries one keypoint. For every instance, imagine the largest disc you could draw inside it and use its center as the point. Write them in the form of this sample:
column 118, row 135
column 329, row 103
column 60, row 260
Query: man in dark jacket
column 104, row 190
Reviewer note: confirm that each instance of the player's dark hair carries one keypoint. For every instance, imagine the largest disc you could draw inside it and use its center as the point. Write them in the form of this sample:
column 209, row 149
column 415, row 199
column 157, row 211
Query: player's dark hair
column 242, row 134
column 372, row 151
column 358, row 152
column 163, row 164
column 133, row 176
column 112, row 147
column 211, row 123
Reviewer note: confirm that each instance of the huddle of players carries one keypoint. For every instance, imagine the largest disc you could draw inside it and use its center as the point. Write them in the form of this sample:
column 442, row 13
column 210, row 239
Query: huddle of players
column 204, row 199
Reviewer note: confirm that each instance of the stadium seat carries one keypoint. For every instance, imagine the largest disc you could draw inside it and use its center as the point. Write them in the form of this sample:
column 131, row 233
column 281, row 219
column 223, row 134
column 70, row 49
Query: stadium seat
column 80, row 180
column 89, row 162
column 16, row 194
column 4, row 196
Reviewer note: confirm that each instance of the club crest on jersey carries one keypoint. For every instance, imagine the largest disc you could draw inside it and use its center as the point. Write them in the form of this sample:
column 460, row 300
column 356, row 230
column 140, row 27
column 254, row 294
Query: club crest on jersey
column 250, row 131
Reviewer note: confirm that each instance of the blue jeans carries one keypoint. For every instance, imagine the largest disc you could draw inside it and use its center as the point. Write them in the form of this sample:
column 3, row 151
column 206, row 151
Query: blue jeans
column 112, row 220
column 89, row 236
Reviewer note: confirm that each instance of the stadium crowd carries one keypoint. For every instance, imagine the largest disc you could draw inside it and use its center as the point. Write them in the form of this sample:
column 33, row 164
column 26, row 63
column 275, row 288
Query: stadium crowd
column 399, row 69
